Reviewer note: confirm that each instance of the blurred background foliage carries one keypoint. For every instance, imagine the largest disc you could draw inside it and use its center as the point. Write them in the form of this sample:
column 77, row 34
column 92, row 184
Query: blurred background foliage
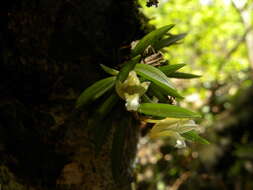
column 218, row 46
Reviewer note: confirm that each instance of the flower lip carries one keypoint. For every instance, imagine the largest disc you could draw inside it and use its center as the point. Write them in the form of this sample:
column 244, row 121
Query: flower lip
column 132, row 102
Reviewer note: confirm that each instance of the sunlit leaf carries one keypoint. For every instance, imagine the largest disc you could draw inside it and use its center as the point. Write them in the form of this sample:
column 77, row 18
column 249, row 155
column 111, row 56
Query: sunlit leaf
column 158, row 77
column 178, row 125
column 150, row 39
column 109, row 70
column 168, row 41
column 193, row 136
column 168, row 69
column 95, row 91
column 183, row 75
column 166, row 110
column 165, row 133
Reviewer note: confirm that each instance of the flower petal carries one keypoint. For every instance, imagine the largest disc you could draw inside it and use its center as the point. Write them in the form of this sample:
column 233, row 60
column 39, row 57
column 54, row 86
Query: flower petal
column 132, row 102
column 161, row 134
column 180, row 143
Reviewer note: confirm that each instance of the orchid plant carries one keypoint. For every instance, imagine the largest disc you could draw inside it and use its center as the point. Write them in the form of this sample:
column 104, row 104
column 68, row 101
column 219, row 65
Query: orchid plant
column 143, row 85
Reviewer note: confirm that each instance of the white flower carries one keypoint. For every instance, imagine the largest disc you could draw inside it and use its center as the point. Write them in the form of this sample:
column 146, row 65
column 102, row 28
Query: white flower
column 180, row 144
column 173, row 128
column 131, row 90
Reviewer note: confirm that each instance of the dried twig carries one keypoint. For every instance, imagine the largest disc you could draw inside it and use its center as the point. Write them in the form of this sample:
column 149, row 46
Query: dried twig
column 180, row 181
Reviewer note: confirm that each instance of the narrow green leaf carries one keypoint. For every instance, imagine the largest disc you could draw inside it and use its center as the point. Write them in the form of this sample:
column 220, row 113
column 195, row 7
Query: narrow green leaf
column 146, row 99
column 109, row 70
column 108, row 104
column 183, row 75
column 158, row 77
column 168, row 69
column 102, row 122
column 118, row 147
column 128, row 66
column 95, row 91
column 193, row 136
column 150, row 39
column 156, row 91
column 166, row 110
column 168, row 41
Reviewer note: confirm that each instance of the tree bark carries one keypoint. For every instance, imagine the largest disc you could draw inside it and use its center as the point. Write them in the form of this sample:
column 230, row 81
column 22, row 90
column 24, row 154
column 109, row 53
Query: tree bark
column 50, row 52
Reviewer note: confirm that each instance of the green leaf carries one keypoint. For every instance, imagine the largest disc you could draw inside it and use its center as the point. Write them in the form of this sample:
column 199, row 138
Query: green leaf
column 158, row 77
column 102, row 122
column 168, row 41
column 183, row 75
column 166, row 110
column 150, row 39
column 95, row 91
column 145, row 98
column 118, row 147
column 109, row 70
column 168, row 69
column 157, row 92
column 128, row 66
column 193, row 136
column 108, row 104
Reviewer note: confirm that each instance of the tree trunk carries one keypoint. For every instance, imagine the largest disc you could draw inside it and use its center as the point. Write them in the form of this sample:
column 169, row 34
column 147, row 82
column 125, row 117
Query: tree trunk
column 50, row 52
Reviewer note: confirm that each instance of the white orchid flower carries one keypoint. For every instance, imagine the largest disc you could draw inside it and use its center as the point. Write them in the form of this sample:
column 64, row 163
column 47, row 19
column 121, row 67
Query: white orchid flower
column 131, row 90
column 132, row 101
column 173, row 128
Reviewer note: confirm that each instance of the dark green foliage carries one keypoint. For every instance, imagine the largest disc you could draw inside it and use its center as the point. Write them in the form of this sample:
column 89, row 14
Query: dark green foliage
column 155, row 91
column 109, row 70
column 118, row 147
column 153, row 38
column 95, row 91
column 128, row 66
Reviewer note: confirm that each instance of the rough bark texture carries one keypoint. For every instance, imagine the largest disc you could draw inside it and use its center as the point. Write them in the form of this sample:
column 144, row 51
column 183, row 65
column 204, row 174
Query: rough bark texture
column 50, row 52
